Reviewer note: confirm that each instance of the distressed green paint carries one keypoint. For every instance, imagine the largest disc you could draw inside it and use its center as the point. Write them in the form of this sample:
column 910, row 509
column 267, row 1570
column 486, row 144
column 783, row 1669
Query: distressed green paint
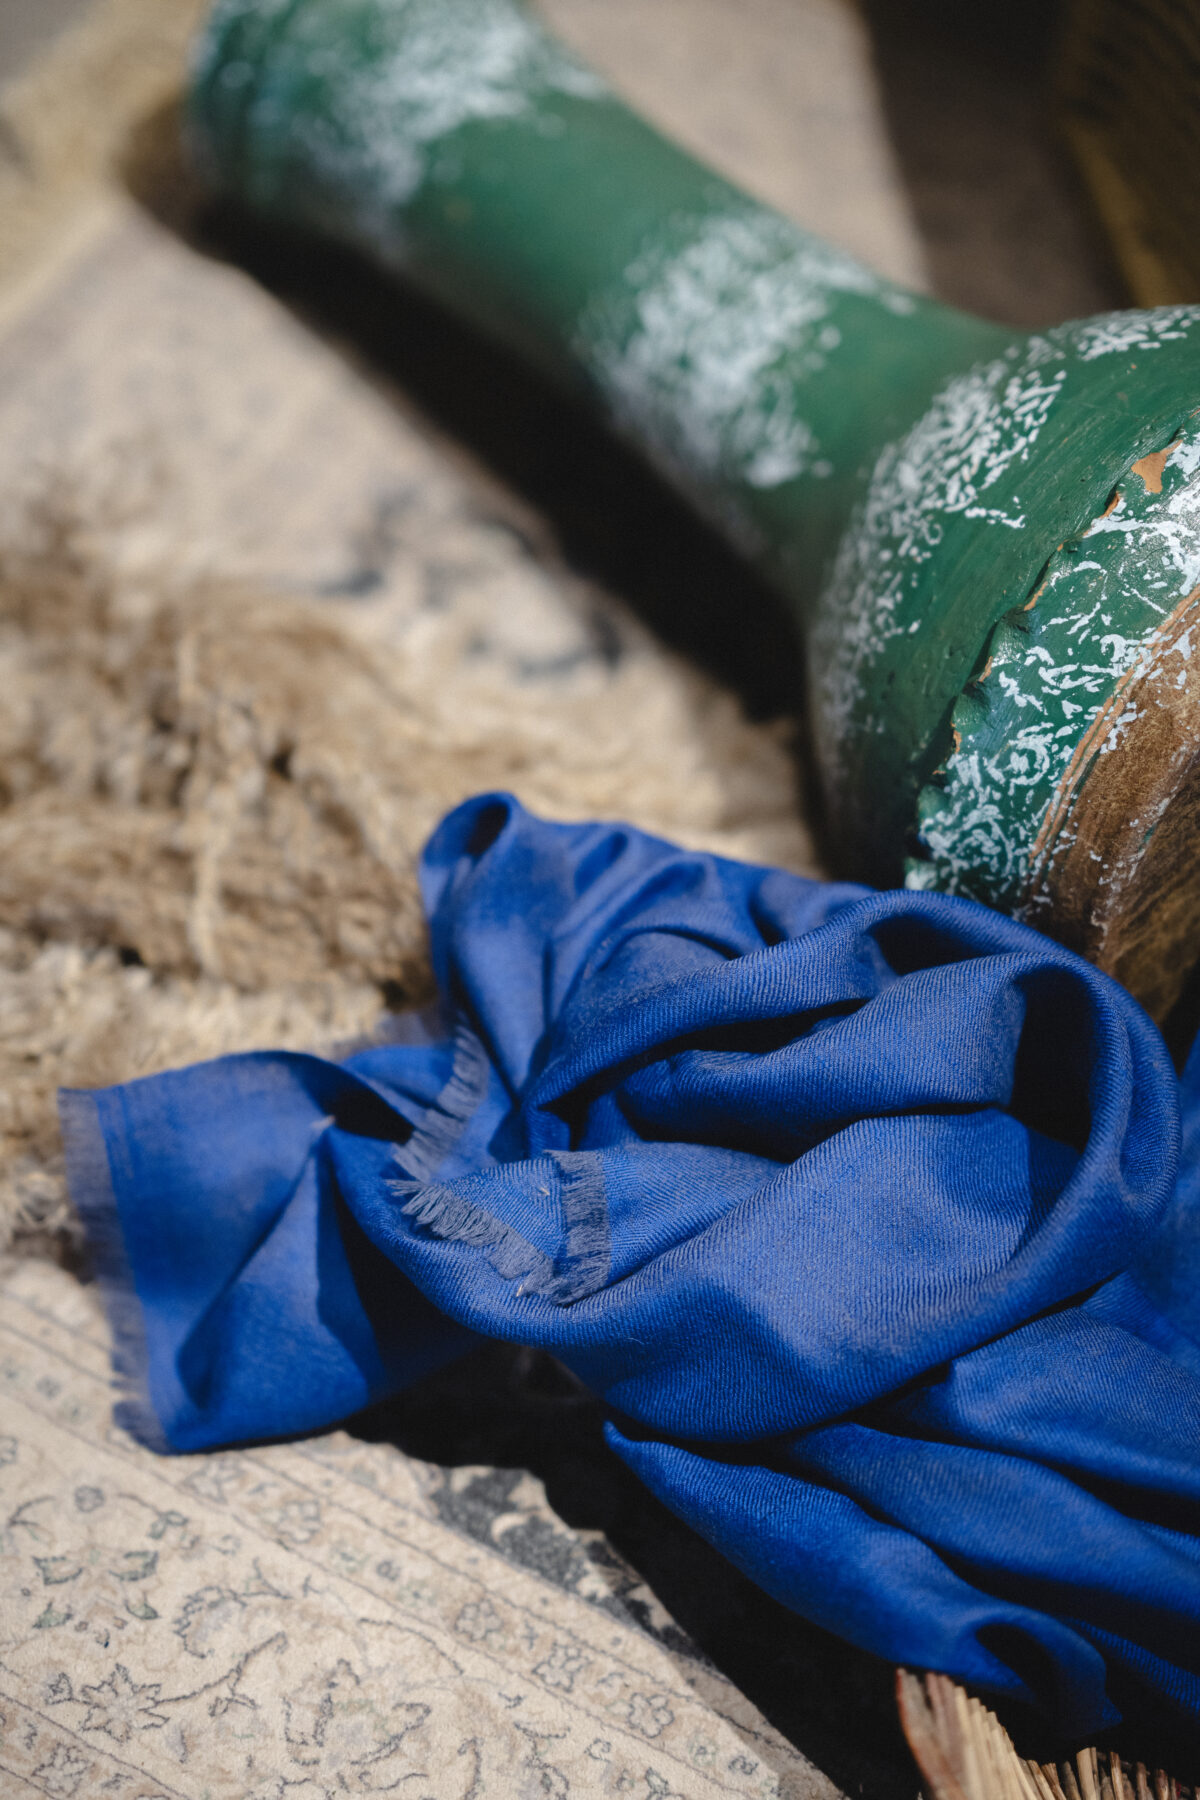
column 1051, row 667
column 1014, row 458
column 904, row 473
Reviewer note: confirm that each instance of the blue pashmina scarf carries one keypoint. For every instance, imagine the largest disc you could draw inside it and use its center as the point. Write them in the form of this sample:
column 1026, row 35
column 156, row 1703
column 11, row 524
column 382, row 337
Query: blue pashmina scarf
column 860, row 1211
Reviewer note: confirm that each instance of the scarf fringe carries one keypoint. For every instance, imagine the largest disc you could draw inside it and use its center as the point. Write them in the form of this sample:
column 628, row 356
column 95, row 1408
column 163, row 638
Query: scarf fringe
column 446, row 1214
column 423, row 1153
column 578, row 1177
column 588, row 1260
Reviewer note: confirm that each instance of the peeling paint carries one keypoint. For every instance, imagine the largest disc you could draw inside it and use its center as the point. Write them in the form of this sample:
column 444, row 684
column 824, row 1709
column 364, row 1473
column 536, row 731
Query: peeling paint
column 979, row 430
column 1061, row 685
column 1150, row 470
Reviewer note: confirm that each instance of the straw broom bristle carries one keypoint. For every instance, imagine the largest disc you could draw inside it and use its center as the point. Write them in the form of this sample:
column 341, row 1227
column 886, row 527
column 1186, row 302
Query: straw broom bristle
column 964, row 1753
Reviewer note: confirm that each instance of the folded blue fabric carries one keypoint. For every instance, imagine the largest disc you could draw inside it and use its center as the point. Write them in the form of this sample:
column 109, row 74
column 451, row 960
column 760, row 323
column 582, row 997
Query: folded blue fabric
column 859, row 1211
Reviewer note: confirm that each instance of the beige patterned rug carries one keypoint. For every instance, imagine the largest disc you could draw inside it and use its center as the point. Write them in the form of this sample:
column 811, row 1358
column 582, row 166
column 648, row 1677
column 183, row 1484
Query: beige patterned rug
column 304, row 1620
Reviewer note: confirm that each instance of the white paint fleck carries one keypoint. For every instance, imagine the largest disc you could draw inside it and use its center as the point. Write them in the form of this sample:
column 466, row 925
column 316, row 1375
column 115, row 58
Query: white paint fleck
column 1169, row 525
column 703, row 349
column 977, row 427
column 1186, row 456
column 1119, row 333
column 421, row 70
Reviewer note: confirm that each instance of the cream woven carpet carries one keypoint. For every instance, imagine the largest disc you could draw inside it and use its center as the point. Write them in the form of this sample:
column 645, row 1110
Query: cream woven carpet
column 265, row 612
column 321, row 1618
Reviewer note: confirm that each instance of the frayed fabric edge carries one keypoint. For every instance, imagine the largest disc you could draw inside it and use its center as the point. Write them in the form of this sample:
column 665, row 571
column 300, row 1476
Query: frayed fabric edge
column 89, row 1178
column 445, row 1213
column 423, row 1153
column 584, row 1201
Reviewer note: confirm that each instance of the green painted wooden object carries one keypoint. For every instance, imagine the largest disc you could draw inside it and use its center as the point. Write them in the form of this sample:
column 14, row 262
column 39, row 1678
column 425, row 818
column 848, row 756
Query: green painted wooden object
column 994, row 568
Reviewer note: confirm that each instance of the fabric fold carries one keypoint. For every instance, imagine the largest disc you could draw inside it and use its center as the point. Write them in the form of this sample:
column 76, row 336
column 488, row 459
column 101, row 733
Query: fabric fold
column 858, row 1211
